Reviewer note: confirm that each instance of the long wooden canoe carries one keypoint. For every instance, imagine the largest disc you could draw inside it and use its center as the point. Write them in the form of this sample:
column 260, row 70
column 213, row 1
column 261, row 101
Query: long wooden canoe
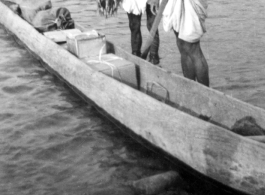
column 205, row 146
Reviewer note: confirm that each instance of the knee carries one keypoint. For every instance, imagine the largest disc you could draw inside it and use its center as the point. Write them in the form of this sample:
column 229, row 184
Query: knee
column 183, row 46
column 188, row 48
column 135, row 25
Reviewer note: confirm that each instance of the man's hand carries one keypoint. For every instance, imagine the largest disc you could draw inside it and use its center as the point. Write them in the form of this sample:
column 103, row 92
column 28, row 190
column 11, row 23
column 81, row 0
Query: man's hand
column 154, row 6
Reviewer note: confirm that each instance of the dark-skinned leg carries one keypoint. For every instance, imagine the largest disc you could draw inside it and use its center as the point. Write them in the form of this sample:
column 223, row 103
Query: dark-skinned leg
column 188, row 67
column 153, row 56
column 203, row 72
column 136, row 36
column 194, row 64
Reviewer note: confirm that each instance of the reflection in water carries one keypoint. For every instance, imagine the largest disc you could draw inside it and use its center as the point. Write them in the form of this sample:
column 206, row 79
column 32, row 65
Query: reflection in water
column 52, row 142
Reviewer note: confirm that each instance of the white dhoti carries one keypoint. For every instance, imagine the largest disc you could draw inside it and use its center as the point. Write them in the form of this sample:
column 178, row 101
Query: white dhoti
column 187, row 17
column 136, row 7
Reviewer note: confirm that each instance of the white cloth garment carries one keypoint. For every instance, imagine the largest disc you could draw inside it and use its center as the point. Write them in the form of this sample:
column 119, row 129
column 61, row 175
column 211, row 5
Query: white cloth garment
column 187, row 17
column 136, row 7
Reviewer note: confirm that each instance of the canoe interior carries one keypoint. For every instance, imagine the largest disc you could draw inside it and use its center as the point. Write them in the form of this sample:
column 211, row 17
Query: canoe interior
column 189, row 96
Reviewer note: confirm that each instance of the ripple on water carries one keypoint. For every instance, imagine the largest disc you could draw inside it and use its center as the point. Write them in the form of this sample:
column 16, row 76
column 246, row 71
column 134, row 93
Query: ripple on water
column 4, row 78
column 20, row 89
column 5, row 116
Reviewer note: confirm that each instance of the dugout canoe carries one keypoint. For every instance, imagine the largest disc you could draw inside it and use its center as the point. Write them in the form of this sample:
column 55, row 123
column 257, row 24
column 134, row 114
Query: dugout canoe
column 207, row 147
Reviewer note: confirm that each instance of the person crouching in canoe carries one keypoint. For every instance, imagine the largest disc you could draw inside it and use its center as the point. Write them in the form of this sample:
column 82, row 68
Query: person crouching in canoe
column 135, row 9
column 187, row 19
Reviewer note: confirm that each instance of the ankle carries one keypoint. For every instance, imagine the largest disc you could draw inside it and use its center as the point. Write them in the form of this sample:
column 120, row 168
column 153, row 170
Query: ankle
column 154, row 58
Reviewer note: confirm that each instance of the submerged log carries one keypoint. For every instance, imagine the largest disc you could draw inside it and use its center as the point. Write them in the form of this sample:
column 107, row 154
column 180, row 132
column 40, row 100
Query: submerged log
column 147, row 186
column 157, row 183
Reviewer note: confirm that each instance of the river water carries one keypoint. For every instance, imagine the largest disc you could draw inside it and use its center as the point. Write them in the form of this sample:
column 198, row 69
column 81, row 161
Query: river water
column 52, row 142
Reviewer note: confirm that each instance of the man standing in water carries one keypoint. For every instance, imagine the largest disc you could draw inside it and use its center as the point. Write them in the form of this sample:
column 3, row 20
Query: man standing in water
column 135, row 9
column 187, row 19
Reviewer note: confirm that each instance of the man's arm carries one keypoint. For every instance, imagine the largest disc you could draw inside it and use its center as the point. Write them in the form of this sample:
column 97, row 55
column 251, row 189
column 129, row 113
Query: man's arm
column 154, row 4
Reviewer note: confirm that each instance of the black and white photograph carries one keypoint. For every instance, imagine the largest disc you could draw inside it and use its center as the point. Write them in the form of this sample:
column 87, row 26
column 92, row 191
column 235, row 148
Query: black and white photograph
column 132, row 97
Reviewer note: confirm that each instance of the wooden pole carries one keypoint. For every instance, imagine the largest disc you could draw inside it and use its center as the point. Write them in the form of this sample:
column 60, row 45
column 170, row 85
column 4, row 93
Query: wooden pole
column 153, row 30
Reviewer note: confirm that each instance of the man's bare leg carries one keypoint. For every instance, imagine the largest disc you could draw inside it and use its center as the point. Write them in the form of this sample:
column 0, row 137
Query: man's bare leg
column 188, row 67
column 136, row 36
column 193, row 62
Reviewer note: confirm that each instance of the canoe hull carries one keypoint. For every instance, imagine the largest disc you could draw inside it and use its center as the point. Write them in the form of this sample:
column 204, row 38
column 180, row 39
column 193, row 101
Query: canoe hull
column 206, row 148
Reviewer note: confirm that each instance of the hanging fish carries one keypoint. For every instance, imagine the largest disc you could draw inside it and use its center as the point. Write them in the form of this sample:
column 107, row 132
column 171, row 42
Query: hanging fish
column 108, row 7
